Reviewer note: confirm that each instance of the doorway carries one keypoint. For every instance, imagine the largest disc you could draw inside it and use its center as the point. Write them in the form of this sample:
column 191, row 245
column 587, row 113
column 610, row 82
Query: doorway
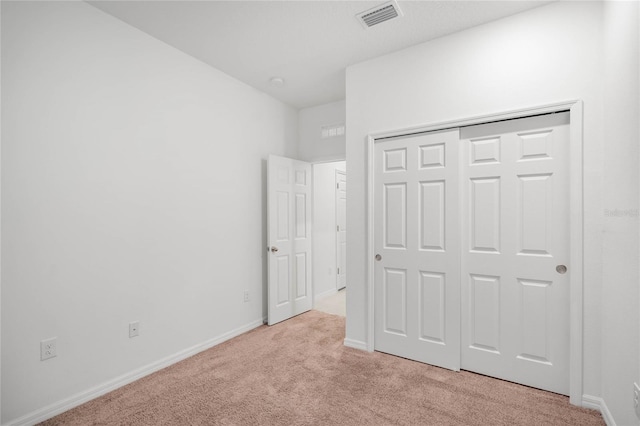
column 421, row 319
column 329, row 229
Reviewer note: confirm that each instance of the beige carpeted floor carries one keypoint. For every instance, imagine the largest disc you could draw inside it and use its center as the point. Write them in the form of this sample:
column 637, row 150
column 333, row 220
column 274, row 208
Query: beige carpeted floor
column 299, row 373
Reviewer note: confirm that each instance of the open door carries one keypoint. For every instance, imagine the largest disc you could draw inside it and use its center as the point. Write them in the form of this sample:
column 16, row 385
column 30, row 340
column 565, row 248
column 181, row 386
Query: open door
column 289, row 237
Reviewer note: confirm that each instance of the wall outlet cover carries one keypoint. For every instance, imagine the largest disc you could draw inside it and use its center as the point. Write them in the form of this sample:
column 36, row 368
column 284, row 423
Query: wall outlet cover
column 134, row 329
column 48, row 348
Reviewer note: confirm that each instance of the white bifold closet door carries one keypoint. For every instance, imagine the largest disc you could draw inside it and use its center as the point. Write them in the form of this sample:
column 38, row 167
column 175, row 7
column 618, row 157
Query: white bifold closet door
column 515, row 229
column 417, row 276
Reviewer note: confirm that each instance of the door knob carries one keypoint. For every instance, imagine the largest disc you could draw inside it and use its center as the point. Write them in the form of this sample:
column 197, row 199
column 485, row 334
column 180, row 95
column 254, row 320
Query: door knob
column 561, row 269
column 378, row 257
column 274, row 249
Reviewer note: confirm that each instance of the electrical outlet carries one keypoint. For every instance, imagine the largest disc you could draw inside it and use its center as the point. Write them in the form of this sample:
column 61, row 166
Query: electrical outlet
column 636, row 399
column 48, row 348
column 134, row 329
column 246, row 296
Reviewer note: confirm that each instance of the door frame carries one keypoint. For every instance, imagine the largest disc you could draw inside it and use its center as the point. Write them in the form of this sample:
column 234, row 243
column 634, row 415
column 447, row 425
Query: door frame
column 335, row 177
column 576, row 216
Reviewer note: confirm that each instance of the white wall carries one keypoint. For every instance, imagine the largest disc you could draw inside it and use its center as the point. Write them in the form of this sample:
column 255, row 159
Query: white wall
column 324, row 227
column 311, row 146
column 620, row 234
column 550, row 54
column 133, row 188
column 0, row 218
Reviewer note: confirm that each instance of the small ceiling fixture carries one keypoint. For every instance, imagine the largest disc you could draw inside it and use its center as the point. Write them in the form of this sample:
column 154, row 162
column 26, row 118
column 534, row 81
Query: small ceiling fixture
column 277, row 81
column 381, row 13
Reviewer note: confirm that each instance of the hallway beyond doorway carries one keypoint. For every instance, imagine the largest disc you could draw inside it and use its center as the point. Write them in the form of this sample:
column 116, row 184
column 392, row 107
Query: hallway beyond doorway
column 334, row 304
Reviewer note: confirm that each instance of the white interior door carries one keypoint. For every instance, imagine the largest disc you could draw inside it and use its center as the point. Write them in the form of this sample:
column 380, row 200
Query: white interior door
column 417, row 276
column 341, row 229
column 289, row 236
column 515, row 305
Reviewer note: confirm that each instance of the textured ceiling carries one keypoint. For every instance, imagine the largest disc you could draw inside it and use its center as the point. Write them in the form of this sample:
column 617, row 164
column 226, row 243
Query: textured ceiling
column 307, row 43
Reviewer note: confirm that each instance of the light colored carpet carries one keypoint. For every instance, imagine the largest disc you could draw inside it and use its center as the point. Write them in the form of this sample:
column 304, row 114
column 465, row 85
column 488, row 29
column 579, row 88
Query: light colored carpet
column 299, row 373
column 335, row 304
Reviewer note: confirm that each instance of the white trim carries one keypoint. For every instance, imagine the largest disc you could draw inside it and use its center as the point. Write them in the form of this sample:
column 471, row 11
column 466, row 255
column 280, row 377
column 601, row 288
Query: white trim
column 328, row 160
column 576, row 259
column 478, row 119
column 370, row 273
column 576, row 232
column 337, row 172
column 597, row 403
column 356, row 344
column 73, row 401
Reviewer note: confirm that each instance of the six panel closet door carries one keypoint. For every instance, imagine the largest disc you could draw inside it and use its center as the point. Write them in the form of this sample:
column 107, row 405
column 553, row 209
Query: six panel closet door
column 471, row 242
column 515, row 293
column 417, row 242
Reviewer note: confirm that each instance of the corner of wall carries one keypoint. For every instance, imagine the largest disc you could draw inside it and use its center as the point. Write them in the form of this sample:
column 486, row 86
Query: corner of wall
column 621, row 254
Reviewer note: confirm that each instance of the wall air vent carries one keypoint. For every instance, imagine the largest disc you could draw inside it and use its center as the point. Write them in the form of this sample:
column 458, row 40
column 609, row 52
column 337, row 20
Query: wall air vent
column 379, row 14
column 332, row 131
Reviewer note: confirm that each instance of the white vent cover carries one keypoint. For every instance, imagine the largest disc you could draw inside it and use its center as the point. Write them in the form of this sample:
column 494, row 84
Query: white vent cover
column 379, row 14
column 332, row 131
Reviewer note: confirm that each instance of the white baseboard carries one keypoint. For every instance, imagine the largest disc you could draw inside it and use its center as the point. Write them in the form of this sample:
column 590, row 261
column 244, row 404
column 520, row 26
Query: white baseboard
column 59, row 407
column 356, row 344
column 599, row 404
column 324, row 294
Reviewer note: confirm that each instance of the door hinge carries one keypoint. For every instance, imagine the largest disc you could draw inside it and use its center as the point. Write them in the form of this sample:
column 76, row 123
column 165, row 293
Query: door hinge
column 338, row 228
column 337, row 185
column 338, row 271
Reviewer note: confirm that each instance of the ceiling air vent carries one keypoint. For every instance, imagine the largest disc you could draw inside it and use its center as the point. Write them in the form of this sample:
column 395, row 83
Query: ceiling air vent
column 379, row 14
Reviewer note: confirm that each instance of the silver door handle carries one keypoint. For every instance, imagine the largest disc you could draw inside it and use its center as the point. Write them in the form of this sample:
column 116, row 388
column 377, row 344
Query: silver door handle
column 561, row 269
column 378, row 257
column 274, row 249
